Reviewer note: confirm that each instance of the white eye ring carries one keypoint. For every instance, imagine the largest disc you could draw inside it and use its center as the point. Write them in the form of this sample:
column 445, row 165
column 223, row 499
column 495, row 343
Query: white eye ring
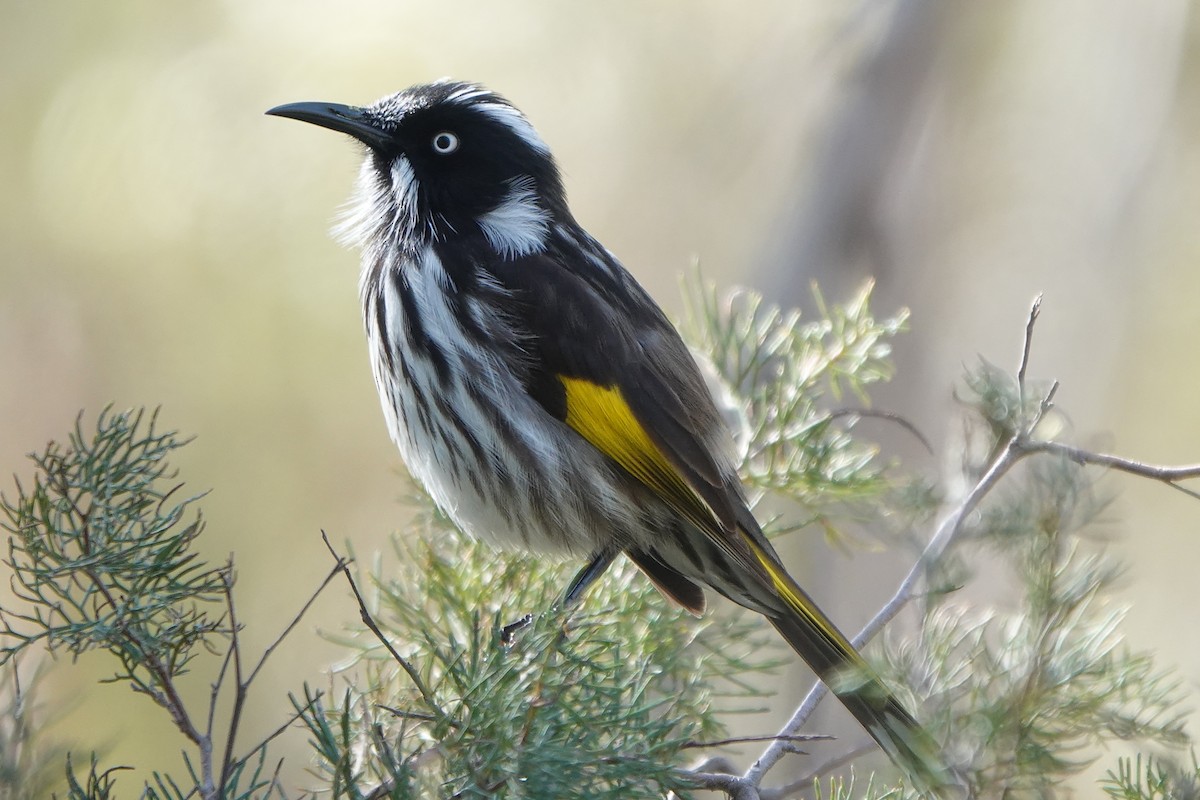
column 444, row 143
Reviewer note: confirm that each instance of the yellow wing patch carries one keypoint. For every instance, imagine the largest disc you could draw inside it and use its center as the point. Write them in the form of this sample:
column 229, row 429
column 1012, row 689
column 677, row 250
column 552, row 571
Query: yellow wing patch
column 601, row 415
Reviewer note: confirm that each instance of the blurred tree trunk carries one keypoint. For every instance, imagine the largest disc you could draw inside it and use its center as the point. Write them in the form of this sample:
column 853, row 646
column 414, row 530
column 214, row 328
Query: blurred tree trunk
column 830, row 231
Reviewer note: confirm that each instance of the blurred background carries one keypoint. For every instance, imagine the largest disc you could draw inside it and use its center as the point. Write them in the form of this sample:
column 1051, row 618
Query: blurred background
column 163, row 243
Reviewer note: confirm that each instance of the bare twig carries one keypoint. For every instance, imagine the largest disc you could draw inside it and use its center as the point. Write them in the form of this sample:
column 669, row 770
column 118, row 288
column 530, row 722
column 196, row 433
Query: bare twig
column 242, row 682
column 275, row 777
column 403, row 714
column 240, row 686
column 168, row 697
column 365, row 615
column 1022, row 390
column 890, row 416
column 1027, row 345
column 275, row 734
column 777, row 750
column 295, row 621
column 793, row 739
column 214, row 694
column 1166, row 474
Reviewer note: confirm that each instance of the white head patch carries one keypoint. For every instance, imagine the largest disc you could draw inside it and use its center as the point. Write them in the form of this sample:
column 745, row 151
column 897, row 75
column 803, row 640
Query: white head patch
column 516, row 122
column 490, row 104
column 518, row 225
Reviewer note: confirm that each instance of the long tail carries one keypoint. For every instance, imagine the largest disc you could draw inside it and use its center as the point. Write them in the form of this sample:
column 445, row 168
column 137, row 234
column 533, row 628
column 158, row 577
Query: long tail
column 823, row 647
column 876, row 709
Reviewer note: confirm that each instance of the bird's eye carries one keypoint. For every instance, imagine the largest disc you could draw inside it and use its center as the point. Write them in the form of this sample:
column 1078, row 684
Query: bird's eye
column 445, row 143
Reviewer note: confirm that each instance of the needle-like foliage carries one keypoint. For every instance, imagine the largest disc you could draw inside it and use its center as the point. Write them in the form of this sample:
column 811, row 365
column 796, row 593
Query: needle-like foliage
column 1153, row 779
column 780, row 371
column 448, row 690
column 607, row 701
column 100, row 558
column 100, row 555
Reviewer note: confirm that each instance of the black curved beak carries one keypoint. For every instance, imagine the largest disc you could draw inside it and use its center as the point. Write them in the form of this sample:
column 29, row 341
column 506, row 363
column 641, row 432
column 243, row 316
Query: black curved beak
column 337, row 117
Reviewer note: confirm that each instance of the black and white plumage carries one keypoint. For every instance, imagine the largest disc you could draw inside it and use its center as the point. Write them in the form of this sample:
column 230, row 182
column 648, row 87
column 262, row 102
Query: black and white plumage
column 539, row 394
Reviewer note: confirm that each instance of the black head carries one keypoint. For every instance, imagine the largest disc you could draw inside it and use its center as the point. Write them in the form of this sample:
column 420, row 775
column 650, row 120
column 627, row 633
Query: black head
column 447, row 160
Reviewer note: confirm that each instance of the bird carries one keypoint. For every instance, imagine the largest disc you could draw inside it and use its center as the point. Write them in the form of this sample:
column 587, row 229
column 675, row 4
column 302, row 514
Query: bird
column 539, row 393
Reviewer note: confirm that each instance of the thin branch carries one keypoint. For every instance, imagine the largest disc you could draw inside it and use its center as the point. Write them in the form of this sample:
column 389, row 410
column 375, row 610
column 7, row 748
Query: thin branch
column 1166, row 474
column 365, row 615
column 169, row 697
column 295, row 620
column 414, row 715
column 214, row 694
column 275, row 734
column 240, row 686
column 1027, row 345
column 813, row 737
column 1046, row 404
column 946, row 533
column 275, row 779
column 890, row 416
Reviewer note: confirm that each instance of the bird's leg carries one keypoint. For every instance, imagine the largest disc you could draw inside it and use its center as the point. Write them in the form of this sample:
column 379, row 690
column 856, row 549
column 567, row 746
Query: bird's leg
column 590, row 573
column 510, row 630
column 583, row 580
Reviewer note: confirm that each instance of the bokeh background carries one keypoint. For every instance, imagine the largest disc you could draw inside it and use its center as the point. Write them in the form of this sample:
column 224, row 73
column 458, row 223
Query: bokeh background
column 163, row 243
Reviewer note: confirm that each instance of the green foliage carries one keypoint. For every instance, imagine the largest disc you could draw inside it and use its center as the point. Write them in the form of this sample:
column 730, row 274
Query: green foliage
column 250, row 777
column 97, row 784
column 616, row 698
column 607, row 701
column 848, row 788
column 1156, row 779
column 779, row 370
column 100, row 552
column 100, row 555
